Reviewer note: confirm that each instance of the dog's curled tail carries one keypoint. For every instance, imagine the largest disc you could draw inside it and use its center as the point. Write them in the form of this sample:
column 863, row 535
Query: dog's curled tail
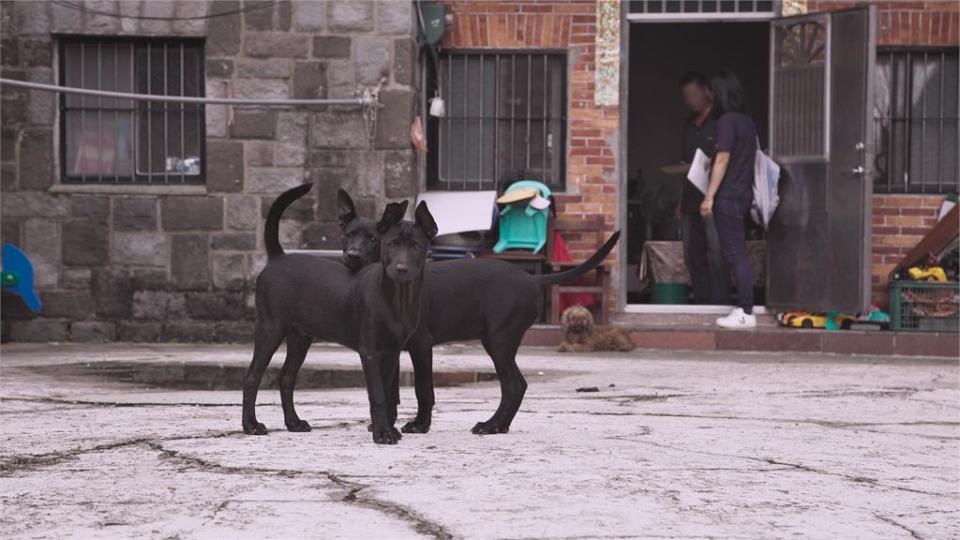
column 591, row 263
column 271, row 230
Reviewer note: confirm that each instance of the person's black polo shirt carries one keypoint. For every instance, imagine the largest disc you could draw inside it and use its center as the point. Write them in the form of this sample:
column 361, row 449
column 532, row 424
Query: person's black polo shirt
column 704, row 138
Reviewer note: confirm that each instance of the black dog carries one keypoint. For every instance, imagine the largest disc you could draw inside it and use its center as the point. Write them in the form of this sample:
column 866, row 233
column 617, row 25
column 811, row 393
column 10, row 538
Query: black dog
column 484, row 299
column 361, row 241
column 301, row 297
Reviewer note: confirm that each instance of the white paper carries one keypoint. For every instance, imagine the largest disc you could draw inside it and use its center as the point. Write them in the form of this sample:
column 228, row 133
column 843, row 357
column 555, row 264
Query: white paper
column 460, row 211
column 699, row 173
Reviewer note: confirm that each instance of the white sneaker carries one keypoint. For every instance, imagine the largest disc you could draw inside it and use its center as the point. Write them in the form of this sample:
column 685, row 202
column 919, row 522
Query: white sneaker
column 737, row 319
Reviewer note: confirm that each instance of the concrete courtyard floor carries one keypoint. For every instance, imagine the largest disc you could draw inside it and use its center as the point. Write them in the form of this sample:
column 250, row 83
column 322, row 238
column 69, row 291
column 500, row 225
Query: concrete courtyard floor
column 673, row 445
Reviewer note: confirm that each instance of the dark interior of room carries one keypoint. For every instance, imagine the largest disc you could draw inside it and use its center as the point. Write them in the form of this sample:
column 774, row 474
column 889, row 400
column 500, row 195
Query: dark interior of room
column 660, row 53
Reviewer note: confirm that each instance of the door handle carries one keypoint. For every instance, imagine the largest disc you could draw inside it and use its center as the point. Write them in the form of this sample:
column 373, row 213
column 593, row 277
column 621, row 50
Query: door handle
column 858, row 171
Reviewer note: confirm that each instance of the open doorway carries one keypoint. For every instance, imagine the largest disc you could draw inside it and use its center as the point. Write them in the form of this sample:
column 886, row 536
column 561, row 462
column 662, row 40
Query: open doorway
column 660, row 54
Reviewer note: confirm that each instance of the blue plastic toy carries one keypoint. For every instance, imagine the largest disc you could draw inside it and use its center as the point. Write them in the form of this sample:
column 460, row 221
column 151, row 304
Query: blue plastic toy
column 17, row 276
column 526, row 229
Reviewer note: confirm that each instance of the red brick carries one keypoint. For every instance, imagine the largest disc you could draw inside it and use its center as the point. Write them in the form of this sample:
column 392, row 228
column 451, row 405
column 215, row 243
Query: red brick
column 925, row 344
column 659, row 339
column 878, row 343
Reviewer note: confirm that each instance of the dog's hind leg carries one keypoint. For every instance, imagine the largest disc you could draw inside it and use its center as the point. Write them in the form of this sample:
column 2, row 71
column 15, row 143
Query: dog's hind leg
column 512, row 385
column 297, row 347
column 267, row 338
column 422, row 357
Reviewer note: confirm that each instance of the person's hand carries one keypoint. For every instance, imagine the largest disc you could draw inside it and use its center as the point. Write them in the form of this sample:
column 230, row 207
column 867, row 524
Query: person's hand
column 706, row 208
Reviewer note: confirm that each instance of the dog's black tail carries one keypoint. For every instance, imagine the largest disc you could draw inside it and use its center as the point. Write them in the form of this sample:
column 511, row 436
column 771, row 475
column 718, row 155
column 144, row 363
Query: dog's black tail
column 590, row 264
column 271, row 230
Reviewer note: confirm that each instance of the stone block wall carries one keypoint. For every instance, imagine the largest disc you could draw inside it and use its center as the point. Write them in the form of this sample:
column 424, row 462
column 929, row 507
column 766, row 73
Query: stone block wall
column 139, row 263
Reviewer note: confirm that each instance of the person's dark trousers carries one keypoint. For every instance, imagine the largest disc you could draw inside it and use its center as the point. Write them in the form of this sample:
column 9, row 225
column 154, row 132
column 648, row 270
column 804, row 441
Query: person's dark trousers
column 701, row 253
column 729, row 216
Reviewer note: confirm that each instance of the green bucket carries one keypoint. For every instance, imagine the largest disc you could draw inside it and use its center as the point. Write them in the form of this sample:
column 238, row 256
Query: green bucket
column 670, row 293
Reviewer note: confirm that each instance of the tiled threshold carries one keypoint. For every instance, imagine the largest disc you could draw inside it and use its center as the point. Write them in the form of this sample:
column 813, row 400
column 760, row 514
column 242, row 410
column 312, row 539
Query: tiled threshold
column 769, row 337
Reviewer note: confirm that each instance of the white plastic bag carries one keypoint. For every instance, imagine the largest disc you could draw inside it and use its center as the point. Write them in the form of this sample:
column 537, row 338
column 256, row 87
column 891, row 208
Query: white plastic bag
column 766, row 181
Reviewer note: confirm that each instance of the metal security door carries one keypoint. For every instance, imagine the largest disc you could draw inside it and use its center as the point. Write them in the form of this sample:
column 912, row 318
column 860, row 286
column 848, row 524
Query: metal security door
column 821, row 76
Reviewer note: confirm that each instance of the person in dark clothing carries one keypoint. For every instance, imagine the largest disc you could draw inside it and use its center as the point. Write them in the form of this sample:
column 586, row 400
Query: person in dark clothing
column 730, row 193
column 701, row 247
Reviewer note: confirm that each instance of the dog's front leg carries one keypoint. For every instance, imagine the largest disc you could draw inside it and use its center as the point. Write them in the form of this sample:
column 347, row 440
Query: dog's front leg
column 382, row 430
column 390, row 371
column 422, row 357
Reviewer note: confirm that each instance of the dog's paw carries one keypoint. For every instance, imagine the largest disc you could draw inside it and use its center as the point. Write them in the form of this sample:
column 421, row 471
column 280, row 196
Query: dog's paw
column 255, row 429
column 488, row 428
column 299, row 426
column 370, row 427
column 416, row 426
column 386, row 436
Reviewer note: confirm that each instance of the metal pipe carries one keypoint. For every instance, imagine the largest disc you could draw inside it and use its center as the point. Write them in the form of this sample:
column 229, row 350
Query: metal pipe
column 183, row 125
column 83, row 119
column 99, row 112
column 363, row 100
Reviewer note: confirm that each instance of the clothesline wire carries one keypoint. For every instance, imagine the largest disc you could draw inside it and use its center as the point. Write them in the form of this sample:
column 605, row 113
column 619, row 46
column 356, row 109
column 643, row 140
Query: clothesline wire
column 367, row 99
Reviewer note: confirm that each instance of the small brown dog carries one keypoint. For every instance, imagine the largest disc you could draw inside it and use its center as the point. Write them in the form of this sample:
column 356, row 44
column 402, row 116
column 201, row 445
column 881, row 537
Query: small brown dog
column 580, row 334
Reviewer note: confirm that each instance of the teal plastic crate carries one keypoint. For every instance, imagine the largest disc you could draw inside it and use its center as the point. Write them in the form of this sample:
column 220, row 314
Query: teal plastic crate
column 925, row 306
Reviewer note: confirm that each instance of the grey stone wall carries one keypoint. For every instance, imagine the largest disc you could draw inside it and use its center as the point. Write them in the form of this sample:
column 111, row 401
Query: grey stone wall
column 145, row 265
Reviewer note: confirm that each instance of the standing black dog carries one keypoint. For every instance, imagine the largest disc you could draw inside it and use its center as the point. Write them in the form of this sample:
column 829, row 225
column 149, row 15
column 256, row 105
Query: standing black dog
column 302, row 297
column 484, row 299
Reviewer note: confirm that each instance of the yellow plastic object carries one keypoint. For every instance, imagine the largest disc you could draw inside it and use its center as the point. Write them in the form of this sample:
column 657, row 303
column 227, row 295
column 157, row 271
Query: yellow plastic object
column 803, row 319
column 935, row 273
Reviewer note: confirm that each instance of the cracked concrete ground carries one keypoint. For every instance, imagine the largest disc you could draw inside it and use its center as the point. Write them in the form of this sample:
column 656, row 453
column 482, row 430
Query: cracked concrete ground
column 685, row 445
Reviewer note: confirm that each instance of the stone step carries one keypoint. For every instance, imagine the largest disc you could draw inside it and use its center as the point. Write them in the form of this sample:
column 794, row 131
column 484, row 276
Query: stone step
column 770, row 338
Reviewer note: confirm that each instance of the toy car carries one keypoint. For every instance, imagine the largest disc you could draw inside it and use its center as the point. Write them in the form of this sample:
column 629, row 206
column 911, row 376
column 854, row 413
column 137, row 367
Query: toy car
column 803, row 319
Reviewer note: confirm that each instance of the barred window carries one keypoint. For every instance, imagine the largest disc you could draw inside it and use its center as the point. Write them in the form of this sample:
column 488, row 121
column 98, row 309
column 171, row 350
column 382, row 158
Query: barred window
column 916, row 120
column 505, row 117
column 702, row 7
column 117, row 141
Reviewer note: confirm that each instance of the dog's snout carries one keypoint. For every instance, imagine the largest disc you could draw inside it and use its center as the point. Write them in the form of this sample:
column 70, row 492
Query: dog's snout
column 401, row 268
column 353, row 252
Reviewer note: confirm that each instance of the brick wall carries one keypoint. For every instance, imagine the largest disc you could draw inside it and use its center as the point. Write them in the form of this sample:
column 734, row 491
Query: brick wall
column 593, row 131
column 905, row 22
column 899, row 223
column 151, row 265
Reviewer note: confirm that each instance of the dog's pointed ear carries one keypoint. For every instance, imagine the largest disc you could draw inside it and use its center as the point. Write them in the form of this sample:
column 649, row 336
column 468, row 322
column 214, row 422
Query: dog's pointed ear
column 403, row 207
column 345, row 209
column 392, row 215
column 424, row 220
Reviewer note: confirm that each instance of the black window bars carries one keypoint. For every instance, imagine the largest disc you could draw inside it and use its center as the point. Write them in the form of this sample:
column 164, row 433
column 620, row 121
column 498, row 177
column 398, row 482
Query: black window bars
column 113, row 140
column 505, row 115
column 916, row 130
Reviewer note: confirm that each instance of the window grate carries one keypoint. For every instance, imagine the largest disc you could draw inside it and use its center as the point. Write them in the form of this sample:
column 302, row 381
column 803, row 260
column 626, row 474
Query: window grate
column 917, row 132
column 505, row 117
column 116, row 141
column 701, row 7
